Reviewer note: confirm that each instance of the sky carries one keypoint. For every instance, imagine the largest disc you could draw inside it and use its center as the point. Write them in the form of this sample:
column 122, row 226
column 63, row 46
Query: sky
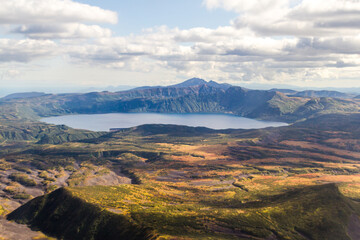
column 69, row 45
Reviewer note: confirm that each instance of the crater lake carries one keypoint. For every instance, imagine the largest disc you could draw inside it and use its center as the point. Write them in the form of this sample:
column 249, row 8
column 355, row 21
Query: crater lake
column 103, row 122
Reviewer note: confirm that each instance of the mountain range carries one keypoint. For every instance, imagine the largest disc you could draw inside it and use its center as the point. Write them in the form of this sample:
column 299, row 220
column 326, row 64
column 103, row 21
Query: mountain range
column 192, row 96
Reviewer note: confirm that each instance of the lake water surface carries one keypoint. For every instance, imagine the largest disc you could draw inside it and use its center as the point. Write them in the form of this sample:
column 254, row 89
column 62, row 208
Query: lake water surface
column 103, row 122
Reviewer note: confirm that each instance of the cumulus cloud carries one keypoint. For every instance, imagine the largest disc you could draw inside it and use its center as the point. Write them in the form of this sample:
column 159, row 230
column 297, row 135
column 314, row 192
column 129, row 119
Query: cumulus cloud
column 281, row 39
column 50, row 19
column 225, row 52
column 294, row 18
column 277, row 40
column 222, row 52
column 52, row 11
column 70, row 30
column 241, row 6
column 26, row 50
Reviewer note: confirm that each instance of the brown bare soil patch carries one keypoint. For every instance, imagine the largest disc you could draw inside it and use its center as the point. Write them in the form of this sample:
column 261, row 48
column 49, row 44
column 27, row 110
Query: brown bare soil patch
column 11, row 231
column 354, row 227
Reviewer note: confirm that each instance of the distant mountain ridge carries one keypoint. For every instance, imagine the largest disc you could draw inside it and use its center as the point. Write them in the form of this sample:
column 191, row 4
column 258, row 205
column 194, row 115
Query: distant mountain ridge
column 322, row 93
column 306, row 93
column 192, row 96
column 190, row 83
column 196, row 82
column 286, row 91
column 23, row 95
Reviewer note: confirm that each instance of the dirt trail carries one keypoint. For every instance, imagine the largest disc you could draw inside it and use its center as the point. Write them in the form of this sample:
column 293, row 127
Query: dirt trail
column 107, row 179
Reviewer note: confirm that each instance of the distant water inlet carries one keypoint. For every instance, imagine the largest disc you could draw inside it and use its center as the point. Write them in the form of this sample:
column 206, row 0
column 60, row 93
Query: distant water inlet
column 103, row 122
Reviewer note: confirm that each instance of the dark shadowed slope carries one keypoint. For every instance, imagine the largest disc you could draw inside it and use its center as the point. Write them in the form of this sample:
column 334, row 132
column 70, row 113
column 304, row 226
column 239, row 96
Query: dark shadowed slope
column 64, row 216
